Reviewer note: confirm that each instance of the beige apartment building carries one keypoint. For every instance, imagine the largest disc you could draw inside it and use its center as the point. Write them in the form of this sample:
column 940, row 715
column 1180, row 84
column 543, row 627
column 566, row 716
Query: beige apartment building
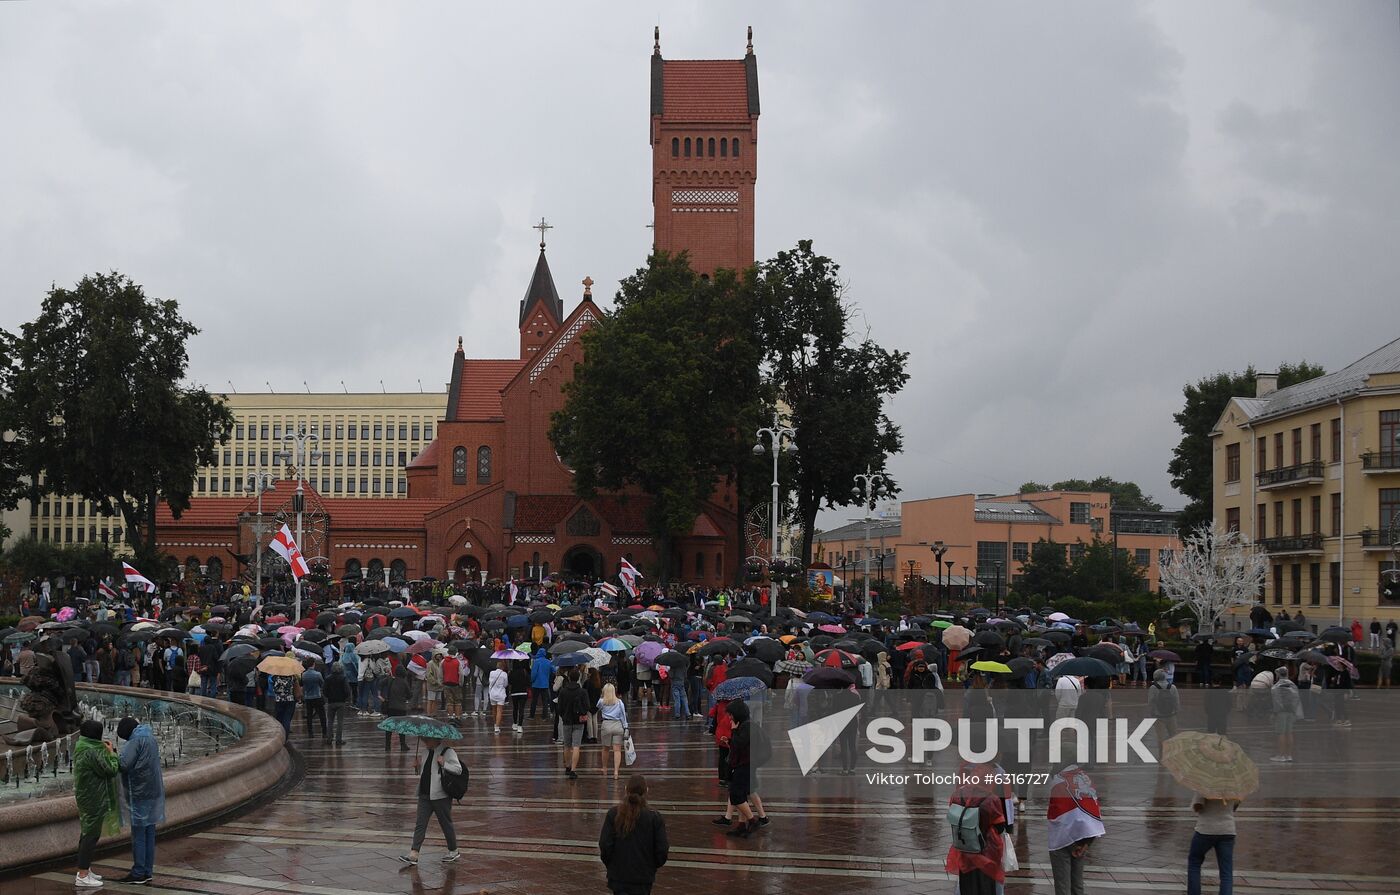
column 364, row 443
column 1311, row 474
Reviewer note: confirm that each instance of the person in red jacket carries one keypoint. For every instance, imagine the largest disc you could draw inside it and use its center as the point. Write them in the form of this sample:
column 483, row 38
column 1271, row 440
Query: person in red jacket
column 722, row 726
column 452, row 687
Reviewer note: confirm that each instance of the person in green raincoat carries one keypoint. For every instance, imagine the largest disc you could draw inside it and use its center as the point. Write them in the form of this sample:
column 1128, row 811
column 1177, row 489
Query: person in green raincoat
column 95, row 789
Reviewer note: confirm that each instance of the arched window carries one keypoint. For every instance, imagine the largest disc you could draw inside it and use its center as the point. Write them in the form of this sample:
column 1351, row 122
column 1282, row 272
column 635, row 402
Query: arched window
column 675, row 146
column 712, row 147
column 699, row 564
column 216, row 569
column 483, row 465
column 687, row 147
column 734, row 144
column 376, row 570
column 459, row 466
column 700, row 147
column 398, row 571
column 352, row 568
column 723, row 148
column 534, row 570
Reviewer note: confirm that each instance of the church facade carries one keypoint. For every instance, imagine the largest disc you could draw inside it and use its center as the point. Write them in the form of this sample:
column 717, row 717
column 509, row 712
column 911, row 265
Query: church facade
column 489, row 496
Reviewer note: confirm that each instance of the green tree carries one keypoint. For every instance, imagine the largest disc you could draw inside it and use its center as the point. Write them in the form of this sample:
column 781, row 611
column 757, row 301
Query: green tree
column 833, row 383
column 1206, row 399
column 667, row 394
column 1092, row 574
column 100, row 406
column 1125, row 495
column 1047, row 574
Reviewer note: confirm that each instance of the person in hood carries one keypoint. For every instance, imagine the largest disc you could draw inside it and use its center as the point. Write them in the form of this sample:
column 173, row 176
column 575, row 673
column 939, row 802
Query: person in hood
column 95, row 790
column 143, row 788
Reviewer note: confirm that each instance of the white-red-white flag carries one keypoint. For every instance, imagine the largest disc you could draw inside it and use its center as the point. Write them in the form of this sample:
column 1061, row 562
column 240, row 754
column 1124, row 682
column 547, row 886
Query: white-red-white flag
column 107, row 591
column 135, row 577
column 286, row 547
column 629, row 575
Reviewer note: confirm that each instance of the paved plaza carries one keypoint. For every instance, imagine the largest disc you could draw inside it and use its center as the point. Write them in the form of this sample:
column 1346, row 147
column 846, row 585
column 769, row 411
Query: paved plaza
column 525, row 829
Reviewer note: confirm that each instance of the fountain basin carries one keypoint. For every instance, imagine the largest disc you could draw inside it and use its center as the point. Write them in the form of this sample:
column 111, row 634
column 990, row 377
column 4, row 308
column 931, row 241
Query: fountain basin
column 45, row 826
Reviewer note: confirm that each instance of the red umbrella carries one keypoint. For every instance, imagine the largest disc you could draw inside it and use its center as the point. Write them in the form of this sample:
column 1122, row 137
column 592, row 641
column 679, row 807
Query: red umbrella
column 832, row 629
column 835, row 658
column 912, row 644
column 307, row 623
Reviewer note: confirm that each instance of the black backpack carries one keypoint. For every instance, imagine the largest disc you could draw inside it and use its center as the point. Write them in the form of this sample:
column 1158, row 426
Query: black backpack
column 455, row 785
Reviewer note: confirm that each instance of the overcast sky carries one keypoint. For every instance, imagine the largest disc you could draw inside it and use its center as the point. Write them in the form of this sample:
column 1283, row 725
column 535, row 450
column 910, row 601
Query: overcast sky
column 1063, row 211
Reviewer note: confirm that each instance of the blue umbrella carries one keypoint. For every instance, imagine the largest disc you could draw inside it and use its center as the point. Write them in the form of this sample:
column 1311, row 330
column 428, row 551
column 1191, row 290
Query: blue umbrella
column 739, row 688
column 820, row 618
column 614, row 645
column 395, row 645
column 518, row 621
column 569, row 660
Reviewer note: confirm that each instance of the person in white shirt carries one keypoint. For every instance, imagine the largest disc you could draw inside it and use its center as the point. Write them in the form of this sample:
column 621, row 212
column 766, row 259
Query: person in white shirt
column 1067, row 692
column 497, row 686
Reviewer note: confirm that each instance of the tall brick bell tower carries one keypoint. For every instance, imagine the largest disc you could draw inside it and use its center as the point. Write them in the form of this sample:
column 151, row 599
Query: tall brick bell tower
column 704, row 143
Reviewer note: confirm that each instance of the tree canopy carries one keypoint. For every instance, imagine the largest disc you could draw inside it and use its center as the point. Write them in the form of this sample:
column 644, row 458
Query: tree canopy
column 1050, row 574
column 1125, row 495
column 97, row 400
column 1190, row 466
column 833, row 382
column 667, row 394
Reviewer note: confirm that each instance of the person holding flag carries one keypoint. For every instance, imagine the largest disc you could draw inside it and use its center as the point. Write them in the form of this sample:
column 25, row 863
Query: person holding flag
column 136, row 578
column 629, row 575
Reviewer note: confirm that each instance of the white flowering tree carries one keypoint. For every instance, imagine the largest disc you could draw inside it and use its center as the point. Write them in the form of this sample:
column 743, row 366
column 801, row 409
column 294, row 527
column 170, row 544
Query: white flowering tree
column 1215, row 571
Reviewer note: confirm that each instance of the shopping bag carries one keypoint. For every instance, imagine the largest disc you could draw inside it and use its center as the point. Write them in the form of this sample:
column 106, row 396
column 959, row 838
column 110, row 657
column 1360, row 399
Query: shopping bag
column 629, row 751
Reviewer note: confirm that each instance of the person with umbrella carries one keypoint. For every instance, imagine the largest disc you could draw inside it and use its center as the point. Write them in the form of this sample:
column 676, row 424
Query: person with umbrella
column 433, row 800
column 396, row 703
column 498, row 689
column 633, row 844
column 1220, row 775
column 374, row 677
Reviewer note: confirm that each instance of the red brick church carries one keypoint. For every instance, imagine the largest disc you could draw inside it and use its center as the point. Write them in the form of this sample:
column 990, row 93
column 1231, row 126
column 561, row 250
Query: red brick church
column 489, row 494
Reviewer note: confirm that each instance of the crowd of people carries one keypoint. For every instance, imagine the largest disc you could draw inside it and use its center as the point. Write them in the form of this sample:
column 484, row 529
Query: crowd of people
column 576, row 671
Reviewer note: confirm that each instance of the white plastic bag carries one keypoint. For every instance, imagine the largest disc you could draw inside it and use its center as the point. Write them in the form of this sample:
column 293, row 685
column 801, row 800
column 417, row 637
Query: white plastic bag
column 1008, row 853
column 629, row 751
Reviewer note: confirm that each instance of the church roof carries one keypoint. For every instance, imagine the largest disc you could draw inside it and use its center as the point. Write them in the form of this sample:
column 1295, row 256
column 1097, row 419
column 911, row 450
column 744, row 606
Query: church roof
column 541, row 291
column 715, row 90
column 379, row 513
column 479, row 388
column 427, row 458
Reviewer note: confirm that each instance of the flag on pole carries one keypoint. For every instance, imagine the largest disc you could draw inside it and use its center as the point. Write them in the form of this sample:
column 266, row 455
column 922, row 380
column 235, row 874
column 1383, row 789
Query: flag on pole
column 609, row 589
column 629, row 575
column 286, row 547
column 135, row 577
column 108, row 591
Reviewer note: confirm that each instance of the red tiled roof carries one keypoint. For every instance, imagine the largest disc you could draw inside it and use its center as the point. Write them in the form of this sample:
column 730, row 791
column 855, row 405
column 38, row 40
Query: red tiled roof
column 384, row 513
column 542, row 512
column 706, row 90
column 479, row 395
column 427, row 458
column 623, row 515
column 705, row 527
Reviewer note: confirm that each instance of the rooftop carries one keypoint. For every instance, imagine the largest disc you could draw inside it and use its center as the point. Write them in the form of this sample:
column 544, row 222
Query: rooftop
column 1011, row 511
column 479, row 388
column 1343, row 383
column 879, row 528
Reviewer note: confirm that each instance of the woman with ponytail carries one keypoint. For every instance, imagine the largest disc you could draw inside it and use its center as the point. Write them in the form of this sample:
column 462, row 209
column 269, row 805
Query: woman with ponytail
column 633, row 842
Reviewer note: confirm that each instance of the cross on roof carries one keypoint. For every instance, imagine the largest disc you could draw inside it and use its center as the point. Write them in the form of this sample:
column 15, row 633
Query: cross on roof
column 542, row 226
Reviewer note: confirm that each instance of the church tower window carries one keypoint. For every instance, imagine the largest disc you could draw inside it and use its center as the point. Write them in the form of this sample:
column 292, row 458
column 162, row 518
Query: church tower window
column 687, row 147
column 675, row 147
column 712, row 147
column 483, row 465
column 459, row 465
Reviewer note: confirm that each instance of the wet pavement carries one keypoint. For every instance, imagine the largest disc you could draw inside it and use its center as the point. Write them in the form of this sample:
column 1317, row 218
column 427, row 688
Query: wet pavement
column 524, row 828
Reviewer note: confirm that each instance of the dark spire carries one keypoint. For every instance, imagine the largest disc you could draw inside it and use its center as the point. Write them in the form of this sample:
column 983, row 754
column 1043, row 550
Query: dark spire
column 750, row 41
column 541, row 291
column 656, row 47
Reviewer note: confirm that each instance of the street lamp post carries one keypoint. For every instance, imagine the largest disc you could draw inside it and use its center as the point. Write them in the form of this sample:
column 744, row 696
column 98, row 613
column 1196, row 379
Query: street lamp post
column 964, row 585
column 948, row 586
column 913, row 594
column 299, row 448
column 939, row 548
column 868, row 480
column 260, row 482
column 780, row 438
column 996, row 593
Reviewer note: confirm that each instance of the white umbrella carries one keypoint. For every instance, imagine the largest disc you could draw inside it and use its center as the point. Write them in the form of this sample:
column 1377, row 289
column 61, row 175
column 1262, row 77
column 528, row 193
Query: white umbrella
column 596, row 657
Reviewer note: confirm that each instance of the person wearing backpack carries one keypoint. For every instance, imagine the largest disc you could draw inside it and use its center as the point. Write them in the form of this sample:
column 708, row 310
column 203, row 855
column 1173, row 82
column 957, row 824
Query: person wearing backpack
column 573, row 716
column 1163, row 703
column 977, row 816
column 434, row 799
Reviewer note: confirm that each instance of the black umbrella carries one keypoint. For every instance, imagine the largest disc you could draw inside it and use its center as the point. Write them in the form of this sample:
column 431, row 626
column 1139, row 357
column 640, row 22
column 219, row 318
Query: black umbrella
column 566, row 646
column 989, row 638
column 1057, row 637
column 348, row 630
column 828, row 678
column 766, row 649
column 403, row 612
column 721, row 646
column 1105, row 653
column 751, row 667
column 1020, row 667
column 315, row 636
column 238, row 649
column 673, row 659
column 325, row 618
column 1036, row 641
column 1335, row 634
column 540, row 616
column 1084, row 666
column 822, row 641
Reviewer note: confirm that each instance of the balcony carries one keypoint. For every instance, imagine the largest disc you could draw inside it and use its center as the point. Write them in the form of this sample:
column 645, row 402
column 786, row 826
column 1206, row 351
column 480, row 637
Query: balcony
column 1376, row 539
column 1300, row 475
column 1297, row 544
column 1380, row 462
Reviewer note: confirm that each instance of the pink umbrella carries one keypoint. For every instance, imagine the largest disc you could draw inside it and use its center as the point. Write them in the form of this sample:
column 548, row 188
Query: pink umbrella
column 67, row 613
column 956, row 637
column 832, row 629
column 422, row 645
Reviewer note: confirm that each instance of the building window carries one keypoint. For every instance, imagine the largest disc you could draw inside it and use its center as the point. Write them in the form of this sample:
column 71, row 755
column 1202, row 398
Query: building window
column 1232, row 519
column 1337, row 515
column 1297, row 516
column 339, row 484
column 378, row 458
column 364, row 431
column 989, row 553
column 1020, row 551
column 1390, row 438
column 352, row 432
column 1142, row 556
column 1076, row 551
column 325, row 484
column 403, row 486
column 238, row 431
column 1390, row 504
column 700, row 557
column 1278, row 585
column 712, row 147
column 734, row 145
column 1261, row 461
column 364, row 484
column 483, row 465
column 428, row 431
column 350, row 458
column 1278, row 450
column 264, row 431
column 1315, row 441
column 1232, row 462
column 687, row 147
column 1296, row 573
column 1278, row 518
column 459, row 466
column 350, row 485
column 1316, row 513
column 1334, row 583
column 675, row 147
column 1315, row 584
column 1298, row 446
column 364, row 458
column 403, row 431
column 415, row 431
column 1079, row 514
column 723, row 148
column 1336, row 439
column 379, row 431
column 1261, row 523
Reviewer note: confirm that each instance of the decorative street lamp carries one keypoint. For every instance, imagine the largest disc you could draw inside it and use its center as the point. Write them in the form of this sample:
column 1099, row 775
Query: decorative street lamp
column 996, row 593
column 964, row 584
column 780, row 438
column 868, row 480
column 912, row 564
column 260, row 482
column 299, row 448
column 939, row 548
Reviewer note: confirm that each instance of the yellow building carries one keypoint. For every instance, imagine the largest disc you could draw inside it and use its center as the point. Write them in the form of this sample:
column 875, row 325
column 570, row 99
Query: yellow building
column 365, row 442
column 1311, row 474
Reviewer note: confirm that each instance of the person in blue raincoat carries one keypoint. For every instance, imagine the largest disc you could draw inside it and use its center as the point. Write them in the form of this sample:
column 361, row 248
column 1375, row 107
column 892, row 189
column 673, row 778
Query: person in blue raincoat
column 143, row 795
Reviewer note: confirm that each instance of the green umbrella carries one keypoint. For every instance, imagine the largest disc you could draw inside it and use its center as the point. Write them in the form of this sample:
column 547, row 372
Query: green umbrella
column 420, row 726
column 940, row 623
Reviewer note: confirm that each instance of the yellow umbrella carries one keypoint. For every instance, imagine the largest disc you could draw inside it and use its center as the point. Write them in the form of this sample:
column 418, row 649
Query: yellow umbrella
column 788, row 638
column 1210, row 764
column 554, row 606
column 281, row 666
column 993, row 667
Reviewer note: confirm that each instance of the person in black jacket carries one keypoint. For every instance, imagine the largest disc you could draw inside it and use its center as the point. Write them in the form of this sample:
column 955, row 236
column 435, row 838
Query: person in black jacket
column 337, row 693
column 633, row 842
column 573, row 717
column 396, row 702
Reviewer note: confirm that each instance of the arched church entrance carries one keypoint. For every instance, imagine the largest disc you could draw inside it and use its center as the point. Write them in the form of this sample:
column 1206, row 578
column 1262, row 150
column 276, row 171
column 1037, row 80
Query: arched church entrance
column 583, row 561
column 468, row 569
